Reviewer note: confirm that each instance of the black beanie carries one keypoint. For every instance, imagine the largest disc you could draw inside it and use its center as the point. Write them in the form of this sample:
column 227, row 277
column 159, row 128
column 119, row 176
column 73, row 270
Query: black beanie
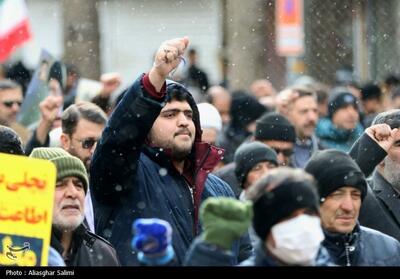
column 274, row 126
column 340, row 98
column 279, row 203
column 250, row 154
column 334, row 169
column 371, row 91
column 244, row 110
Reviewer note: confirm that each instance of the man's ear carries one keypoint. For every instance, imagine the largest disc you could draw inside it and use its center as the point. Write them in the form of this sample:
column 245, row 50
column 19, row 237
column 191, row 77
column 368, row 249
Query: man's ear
column 65, row 141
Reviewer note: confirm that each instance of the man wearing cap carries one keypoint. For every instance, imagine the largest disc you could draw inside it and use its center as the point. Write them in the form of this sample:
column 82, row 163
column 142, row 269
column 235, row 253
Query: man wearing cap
column 245, row 110
column 211, row 125
column 10, row 141
column 342, row 126
column 252, row 161
column 273, row 130
column 342, row 188
column 69, row 236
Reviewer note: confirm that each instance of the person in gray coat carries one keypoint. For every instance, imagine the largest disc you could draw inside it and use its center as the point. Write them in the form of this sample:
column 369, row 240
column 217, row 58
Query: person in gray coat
column 385, row 180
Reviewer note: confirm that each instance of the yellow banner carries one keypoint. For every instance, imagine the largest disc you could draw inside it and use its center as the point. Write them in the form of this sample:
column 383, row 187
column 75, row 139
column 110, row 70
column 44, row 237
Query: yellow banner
column 26, row 206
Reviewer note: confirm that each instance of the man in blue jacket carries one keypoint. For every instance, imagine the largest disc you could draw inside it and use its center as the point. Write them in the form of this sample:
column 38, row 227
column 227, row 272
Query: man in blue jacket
column 343, row 188
column 150, row 161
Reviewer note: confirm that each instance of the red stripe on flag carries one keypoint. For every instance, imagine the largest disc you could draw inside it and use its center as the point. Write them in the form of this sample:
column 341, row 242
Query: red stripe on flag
column 14, row 38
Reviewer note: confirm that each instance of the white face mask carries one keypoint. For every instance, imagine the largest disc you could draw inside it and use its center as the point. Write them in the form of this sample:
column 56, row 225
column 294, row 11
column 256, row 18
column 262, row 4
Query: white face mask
column 297, row 241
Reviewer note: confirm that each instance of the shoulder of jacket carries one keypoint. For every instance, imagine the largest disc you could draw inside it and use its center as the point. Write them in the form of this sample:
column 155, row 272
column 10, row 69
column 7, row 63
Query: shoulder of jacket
column 372, row 234
column 91, row 238
column 217, row 186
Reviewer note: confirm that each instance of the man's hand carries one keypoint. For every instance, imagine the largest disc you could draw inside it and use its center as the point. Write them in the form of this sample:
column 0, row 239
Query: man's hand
column 110, row 82
column 167, row 59
column 50, row 107
column 383, row 135
column 284, row 99
column 225, row 220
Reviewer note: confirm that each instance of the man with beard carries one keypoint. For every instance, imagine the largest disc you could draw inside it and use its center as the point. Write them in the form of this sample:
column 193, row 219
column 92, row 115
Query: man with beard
column 151, row 163
column 385, row 181
column 82, row 124
column 69, row 236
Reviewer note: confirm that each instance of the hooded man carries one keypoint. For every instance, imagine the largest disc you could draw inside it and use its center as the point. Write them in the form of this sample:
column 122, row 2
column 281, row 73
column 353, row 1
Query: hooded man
column 151, row 163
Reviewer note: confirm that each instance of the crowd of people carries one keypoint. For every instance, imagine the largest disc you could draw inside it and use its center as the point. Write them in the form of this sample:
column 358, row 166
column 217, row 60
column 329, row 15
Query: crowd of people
column 161, row 175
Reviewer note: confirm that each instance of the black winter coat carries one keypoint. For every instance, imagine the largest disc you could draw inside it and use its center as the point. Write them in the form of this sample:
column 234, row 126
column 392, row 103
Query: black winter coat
column 375, row 212
column 130, row 180
column 88, row 249
column 363, row 247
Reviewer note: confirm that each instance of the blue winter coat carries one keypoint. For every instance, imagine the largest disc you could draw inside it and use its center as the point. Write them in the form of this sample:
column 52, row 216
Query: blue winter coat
column 131, row 180
column 363, row 247
column 332, row 137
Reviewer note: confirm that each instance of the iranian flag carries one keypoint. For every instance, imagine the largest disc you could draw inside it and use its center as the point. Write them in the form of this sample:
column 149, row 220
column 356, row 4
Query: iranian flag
column 14, row 26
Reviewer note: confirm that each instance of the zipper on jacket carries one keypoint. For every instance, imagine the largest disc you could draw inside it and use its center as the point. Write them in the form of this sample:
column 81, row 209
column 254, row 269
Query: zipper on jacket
column 191, row 193
column 348, row 248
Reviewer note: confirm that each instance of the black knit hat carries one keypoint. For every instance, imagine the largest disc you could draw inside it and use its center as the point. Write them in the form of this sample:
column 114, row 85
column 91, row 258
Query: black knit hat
column 279, row 203
column 340, row 98
column 244, row 110
column 274, row 126
column 371, row 91
column 250, row 154
column 334, row 169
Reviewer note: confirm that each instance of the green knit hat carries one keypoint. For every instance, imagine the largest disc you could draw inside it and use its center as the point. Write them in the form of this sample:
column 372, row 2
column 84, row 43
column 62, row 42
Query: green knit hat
column 66, row 164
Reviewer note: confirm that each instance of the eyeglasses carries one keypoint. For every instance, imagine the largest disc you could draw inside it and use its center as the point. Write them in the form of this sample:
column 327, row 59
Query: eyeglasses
column 87, row 143
column 10, row 104
column 285, row 152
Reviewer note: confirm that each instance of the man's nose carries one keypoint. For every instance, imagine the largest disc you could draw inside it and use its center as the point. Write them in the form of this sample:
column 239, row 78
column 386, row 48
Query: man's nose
column 347, row 203
column 71, row 190
column 182, row 120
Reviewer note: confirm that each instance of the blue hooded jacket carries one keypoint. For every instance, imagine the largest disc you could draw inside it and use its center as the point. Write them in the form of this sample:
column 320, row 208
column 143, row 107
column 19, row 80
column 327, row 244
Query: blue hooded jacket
column 130, row 179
